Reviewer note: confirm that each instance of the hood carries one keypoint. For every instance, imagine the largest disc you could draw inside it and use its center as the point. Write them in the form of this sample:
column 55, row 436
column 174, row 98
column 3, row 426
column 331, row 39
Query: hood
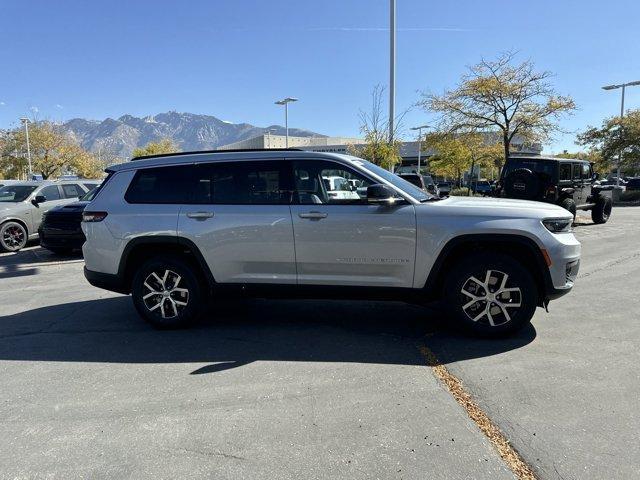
column 503, row 207
column 70, row 207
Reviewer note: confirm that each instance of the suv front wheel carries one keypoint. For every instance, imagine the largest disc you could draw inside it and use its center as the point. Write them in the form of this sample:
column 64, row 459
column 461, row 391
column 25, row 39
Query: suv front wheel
column 490, row 294
column 166, row 292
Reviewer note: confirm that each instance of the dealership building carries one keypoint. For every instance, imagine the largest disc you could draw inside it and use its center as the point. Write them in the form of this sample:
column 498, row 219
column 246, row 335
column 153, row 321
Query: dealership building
column 408, row 150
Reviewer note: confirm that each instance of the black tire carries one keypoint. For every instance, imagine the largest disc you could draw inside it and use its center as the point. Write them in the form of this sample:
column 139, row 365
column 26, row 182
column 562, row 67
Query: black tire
column 569, row 204
column 601, row 212
column 13, row 236
column 165, row 310
column 523, row 184
column 478, row 266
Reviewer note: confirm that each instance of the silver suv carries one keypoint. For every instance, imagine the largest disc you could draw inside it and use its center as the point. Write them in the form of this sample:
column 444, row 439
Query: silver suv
column 177, row 230
column 23, row 204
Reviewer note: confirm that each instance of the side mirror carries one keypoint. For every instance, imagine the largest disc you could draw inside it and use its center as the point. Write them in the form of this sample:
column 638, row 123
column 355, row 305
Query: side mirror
column 380, row 194
column 39, row 199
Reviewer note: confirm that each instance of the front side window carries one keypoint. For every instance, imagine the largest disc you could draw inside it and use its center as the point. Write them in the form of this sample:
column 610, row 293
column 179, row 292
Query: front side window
column 586, row 171
column 15, row 193
column 242, row 183
column 50, row 193
column 324, row 182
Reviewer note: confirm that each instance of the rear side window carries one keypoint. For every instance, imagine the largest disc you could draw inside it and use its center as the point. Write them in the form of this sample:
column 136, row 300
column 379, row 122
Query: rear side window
column 565, row 171
column 72, row 191
column 160, row 185
column 90, row 186
column 50, row 193
column 242, row 183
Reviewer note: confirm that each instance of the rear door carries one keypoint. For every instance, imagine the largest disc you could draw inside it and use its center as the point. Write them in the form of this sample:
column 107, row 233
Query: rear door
column 347, row 241
column 239, row 218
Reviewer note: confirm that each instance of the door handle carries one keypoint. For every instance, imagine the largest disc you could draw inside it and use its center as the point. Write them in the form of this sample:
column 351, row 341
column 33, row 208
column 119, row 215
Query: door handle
column 200, row 215
column 313, row 215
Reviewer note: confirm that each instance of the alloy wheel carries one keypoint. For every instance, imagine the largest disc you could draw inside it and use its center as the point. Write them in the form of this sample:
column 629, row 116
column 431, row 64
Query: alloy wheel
column 491, row 301
column 162, row 294
column 13, row 237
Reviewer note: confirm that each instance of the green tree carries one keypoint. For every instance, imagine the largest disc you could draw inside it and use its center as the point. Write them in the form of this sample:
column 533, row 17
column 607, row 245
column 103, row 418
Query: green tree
column 600, row 164
column 616, row 137
column 165, row 145
column 378, row 148
column 457, row 153
column 497, row 95
column 52, row 153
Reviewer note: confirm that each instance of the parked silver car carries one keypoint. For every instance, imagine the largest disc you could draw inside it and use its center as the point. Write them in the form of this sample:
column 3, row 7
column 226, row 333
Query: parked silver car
column 173, row 230
column 23, row 205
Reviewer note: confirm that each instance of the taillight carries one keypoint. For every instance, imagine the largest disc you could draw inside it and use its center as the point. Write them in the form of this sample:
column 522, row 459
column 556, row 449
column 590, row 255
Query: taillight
column 93, row 216
column 551, row 191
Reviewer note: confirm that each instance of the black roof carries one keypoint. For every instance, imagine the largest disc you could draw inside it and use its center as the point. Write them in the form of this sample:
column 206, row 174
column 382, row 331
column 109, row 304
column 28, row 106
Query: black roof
column 176, row 154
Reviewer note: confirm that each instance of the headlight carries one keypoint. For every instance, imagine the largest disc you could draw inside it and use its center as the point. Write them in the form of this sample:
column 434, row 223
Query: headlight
column 558, row 225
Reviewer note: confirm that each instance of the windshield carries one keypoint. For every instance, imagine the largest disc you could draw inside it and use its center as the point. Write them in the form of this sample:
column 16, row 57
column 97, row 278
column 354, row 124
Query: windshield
column 395, row 180
column 15, row 193
column 87, row 197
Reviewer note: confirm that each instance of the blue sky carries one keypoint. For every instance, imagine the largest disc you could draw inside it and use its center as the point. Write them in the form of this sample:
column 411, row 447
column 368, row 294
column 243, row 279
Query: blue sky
column 232, row 59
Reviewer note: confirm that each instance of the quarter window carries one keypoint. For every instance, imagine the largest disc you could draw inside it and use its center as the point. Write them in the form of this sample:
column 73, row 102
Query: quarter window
column 50, row 193
column 168, row 185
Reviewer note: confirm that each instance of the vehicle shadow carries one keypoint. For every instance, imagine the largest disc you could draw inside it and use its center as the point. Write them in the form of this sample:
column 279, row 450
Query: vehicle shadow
column 25, row 262
column 109, row 331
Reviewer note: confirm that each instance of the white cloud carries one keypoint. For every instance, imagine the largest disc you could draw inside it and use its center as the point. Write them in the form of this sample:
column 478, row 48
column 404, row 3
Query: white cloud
column 2, row 104
column 34, row 109
column 59, row 107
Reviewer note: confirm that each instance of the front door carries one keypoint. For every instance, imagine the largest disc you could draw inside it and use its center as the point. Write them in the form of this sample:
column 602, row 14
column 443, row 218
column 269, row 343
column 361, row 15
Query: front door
column 342, row 240
column 240, row 220
column 53, row 198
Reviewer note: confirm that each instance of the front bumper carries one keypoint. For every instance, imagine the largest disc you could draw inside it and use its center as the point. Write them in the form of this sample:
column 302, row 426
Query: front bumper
column 564, row 253
column 58, row 239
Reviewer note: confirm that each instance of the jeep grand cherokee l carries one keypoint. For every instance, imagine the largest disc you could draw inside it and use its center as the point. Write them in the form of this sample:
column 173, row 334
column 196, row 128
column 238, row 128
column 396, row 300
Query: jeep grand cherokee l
column 176, row 231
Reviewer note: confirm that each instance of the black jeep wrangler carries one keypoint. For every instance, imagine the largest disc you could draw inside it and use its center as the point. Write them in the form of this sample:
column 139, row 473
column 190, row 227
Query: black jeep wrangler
column 565, row 182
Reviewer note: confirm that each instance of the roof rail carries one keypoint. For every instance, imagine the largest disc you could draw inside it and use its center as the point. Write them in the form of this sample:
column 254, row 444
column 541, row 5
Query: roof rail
column 176, row 154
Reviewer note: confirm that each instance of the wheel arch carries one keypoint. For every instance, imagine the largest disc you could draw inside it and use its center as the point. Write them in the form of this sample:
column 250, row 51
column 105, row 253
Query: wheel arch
column 522, row 248
column 17, row 220
column 140, row 249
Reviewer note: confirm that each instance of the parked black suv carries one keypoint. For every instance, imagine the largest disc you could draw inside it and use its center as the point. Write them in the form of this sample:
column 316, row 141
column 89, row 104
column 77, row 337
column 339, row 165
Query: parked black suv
column 565, row 182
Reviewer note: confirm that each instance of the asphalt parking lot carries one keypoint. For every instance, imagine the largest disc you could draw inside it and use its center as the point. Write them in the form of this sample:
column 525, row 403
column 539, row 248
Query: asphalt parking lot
column 283, row 389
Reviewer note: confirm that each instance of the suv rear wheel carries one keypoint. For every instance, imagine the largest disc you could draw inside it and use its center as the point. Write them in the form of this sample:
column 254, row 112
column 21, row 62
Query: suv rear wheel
column 490, row 294
column 167, row 293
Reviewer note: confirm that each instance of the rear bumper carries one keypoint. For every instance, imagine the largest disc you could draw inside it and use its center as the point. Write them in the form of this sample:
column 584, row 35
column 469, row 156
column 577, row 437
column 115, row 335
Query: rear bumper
column 106, row 281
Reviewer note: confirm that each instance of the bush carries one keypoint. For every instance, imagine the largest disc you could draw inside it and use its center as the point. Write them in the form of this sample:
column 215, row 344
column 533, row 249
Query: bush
column 631, row 196
column 463, row 192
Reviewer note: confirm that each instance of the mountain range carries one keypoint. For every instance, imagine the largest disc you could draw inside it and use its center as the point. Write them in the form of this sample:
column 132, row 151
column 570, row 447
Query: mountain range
column 118, row 137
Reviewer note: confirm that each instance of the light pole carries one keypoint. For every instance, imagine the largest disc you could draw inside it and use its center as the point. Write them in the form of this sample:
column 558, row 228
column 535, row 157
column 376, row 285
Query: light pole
column 392, row 67
column 623, row 86
column 285, row 102
column 25, row 121
column 419, row 142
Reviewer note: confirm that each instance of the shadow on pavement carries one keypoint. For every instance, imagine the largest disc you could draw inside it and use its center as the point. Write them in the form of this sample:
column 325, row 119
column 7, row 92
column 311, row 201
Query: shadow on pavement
column 110, row 331
column 20, row 264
